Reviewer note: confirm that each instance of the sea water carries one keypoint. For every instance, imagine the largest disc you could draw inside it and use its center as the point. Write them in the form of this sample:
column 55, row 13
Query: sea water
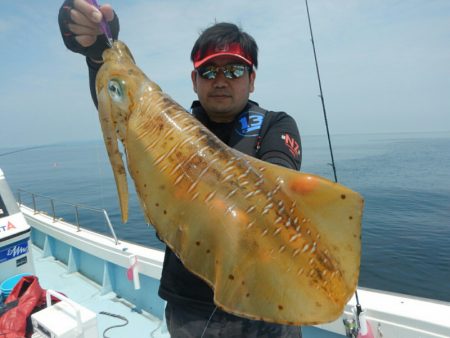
column 404, row 179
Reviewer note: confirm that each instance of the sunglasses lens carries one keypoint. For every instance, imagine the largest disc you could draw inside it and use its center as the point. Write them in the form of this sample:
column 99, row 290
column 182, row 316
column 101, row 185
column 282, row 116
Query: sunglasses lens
column 208, row 73
column 229, row 71
column 237, row 70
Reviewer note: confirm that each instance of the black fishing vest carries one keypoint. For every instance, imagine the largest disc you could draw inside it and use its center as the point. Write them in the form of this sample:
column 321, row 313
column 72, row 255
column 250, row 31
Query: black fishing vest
column 248, row 129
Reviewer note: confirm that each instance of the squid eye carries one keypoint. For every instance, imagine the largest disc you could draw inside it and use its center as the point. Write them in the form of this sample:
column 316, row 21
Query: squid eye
column 115, row 89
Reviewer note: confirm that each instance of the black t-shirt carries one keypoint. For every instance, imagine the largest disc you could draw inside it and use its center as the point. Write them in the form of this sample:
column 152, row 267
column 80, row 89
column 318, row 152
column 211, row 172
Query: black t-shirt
column 279, row 144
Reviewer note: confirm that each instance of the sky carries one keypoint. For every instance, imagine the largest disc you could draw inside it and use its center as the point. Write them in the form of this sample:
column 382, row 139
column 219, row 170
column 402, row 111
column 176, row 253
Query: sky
column 384, row 64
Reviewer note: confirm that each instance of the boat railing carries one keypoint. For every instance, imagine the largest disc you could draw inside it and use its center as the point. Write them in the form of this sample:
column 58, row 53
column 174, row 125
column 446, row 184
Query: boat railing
column 53, row 203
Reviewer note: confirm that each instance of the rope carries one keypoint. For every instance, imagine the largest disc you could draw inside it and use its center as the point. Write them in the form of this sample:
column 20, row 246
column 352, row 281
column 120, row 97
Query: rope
column 114, row 326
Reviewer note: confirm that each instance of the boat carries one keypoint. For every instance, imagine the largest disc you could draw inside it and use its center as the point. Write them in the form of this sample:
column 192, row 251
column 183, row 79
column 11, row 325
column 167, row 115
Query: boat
column 111, row 285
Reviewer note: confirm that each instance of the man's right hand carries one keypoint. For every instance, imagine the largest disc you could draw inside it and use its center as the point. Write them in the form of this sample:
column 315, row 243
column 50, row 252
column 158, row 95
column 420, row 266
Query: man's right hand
column 79, row 25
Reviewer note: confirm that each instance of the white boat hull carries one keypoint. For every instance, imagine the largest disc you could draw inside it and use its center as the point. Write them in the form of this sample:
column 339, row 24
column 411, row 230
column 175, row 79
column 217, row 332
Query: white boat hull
column 389, row 314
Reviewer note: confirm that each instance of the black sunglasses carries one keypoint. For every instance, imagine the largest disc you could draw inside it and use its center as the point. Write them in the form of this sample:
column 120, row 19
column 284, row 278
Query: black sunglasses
column 230, row 71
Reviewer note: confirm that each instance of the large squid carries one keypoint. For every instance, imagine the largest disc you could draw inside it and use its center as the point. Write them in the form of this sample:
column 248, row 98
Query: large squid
column 274, row 244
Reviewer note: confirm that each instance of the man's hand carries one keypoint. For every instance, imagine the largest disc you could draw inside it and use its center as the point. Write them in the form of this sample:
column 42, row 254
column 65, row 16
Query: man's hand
column 79, row 25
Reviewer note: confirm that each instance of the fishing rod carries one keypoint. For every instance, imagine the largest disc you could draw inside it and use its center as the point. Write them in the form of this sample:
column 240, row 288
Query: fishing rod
column 322, row 99
column 321, row 93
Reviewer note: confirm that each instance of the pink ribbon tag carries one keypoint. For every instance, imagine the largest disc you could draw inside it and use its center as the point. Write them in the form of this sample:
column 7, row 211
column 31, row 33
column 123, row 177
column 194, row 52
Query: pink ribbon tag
column 131, row 268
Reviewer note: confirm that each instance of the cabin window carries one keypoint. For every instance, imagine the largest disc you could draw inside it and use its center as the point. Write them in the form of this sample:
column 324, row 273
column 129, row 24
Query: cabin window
column 3, row 211
column 8, row 205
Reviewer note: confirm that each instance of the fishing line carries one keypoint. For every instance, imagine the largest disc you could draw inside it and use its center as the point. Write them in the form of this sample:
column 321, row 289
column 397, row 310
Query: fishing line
column 358, row 305
column 100, row 172
column 158, row 328
column 23, row 149
column 207, row 323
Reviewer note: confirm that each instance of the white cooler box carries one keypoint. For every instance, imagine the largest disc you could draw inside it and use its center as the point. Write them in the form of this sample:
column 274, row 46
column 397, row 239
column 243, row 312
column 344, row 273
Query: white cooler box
column 65, row 319
column 15, row 250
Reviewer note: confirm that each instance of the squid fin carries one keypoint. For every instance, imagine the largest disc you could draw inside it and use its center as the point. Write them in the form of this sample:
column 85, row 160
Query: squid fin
column 334, row 210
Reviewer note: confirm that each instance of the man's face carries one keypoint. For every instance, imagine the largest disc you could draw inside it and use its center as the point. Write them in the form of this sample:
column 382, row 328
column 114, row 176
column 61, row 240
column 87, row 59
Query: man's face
column 223, row 98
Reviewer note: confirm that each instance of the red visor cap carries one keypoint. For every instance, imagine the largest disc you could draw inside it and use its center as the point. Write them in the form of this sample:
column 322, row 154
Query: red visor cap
column 233, row 49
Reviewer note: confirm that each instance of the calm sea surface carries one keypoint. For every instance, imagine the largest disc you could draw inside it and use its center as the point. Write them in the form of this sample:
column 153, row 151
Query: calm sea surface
column 404, row 178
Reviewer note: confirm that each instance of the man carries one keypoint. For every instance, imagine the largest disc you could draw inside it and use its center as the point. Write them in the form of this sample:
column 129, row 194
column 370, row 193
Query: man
column 225, row 59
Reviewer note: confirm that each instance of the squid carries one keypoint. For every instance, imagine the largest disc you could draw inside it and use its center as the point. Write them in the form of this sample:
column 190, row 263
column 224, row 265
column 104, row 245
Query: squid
column 273, row 243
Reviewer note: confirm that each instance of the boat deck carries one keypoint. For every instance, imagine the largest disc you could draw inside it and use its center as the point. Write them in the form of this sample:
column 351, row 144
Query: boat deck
column 53, row 275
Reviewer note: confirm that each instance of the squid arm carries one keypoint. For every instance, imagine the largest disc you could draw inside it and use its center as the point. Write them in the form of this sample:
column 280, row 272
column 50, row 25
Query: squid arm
column 115, row 156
